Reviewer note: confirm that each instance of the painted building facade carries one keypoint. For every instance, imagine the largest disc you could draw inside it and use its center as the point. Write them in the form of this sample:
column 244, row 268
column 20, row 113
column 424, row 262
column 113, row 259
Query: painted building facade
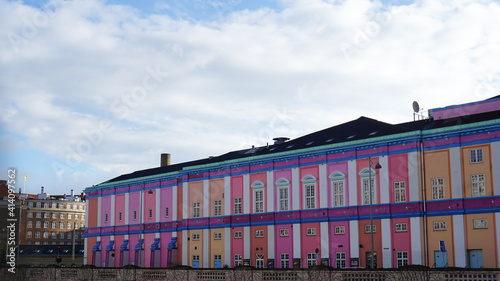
column 317, row 199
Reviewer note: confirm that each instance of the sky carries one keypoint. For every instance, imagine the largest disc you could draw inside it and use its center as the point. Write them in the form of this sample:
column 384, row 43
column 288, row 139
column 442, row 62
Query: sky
column 92, row 89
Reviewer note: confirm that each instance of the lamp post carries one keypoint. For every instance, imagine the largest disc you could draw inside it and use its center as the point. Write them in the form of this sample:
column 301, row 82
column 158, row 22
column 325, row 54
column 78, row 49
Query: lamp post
column 377, row 167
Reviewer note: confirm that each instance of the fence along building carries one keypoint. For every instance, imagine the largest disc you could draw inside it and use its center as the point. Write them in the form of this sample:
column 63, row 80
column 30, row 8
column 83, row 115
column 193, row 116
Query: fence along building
column 435, row 200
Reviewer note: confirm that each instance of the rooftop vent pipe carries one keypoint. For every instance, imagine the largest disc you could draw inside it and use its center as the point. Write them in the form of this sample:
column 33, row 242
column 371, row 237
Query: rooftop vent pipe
column 279, row 140
column 165, row 159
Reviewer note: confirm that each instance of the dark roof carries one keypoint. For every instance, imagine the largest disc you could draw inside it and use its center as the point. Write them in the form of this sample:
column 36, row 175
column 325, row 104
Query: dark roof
column 361, row 128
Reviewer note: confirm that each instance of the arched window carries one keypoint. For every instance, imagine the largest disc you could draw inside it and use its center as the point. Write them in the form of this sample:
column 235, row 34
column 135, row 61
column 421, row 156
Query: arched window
column 368, row 185
column 284, row 198
column 309, row 183
column 338, row 182
column 258, row 196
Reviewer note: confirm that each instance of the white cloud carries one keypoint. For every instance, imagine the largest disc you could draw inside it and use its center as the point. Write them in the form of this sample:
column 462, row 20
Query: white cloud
column 233, row 82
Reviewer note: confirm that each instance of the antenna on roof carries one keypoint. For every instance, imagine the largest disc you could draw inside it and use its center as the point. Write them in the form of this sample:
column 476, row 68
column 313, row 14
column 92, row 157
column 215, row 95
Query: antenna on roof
column 416, row 111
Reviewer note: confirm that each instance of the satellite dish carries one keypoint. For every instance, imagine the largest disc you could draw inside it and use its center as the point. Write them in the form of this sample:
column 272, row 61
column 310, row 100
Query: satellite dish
column 416, row 107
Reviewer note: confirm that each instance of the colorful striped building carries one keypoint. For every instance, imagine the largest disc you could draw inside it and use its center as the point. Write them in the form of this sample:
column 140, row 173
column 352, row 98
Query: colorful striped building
column 423, row 192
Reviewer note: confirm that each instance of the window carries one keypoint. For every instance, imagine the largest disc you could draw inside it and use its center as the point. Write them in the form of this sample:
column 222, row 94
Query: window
column 53, row 235
column 30, row 204
column 340, row 259
column 38, row 224
column 29, row 234
column 476, row 155
column 399, row 191
column 45, row 234
column 54, row 205
column 196, row 258
column 68, row 206
column 437, row 188
column 439, row 225
column 196, row 209
column 217, row 235
column 285, row 260
column 259, row 260
column 61, row 225
column 38, row 204
column 76, row 216
column 338, row 180
column 120, row 216
column 196, row 236
column 402, row 258
column 166, row 211
column 68, row 235
column 259, row 201
column 368, row 184
column 480, row 223
column 105, row 217
column 217, row 207
column 283, row 232
column 311, row 259
column 478, row 187
column 70, row 216
column 61, row 206
column 401, row 227
column 77, row 225
column 310, row 191
column 259, row 233
column 37, row 234
column 45, row 224
column 54, row 215
column 61, row 235
column 369, row 228
column 238, row 205
column 135, row 215
column 30, row 214
column 238, row 234
column 150, row 213
column 70, row 225
column 283, row 199
column 46, row 215
column 38, row 215
column 340, row 230
column 61, row 215
column 29, row 224
column 311, row 231
column 238, row 260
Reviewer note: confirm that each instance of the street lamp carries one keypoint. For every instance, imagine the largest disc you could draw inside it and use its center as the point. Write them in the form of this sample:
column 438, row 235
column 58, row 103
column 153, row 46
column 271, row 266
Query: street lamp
column 377, row 167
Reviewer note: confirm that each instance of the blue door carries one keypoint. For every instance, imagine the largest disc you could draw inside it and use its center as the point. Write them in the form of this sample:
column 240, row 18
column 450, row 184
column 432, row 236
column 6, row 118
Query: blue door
column 196, row 264
column 475, row 258
column 217, row 264
column 440, row 259
column 217, row 261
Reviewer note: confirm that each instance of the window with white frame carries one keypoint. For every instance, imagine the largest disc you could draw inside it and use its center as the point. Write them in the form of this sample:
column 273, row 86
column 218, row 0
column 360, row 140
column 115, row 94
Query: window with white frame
column 238, row 260
column 30, row 204
column 38, row 204
column 70, row 216
column 340, row 229
column 38, row 215
column 369, row 190
column 196, row 209
column 196, row 258
column 283, row 194
column 238, row 205
column 69, row 225
column 340, row 258
column 284, row 232
column 77, row 225
column 311, row 231
column 399, row 191
column 37, row 234
column 196, row 236
column 45, row 224
column 61, row 225
column 217, row 207
column 259, row 201
column 53, row 235
column 61, row 206
column 61, row 235
column 402, row 258
column 68, row 234
column 284, row 260
column 29, row 224
column 217, row 235
column 476, row 155
column 46, row 215
column 401, row 227
column 38, row 224
column 309, row 183
column 369, row 228
column 54, row 215
column 61, row 215
column 478, row 186
column 54, row 205
column 30, row 214
column 238, row 234
column 338, row 182
column 437, row 186
column 29, row 234
column 311, row 259
column 480, row 223
column 54, row 224
column 439, row 225
column 259, row 260
column 259, row 233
